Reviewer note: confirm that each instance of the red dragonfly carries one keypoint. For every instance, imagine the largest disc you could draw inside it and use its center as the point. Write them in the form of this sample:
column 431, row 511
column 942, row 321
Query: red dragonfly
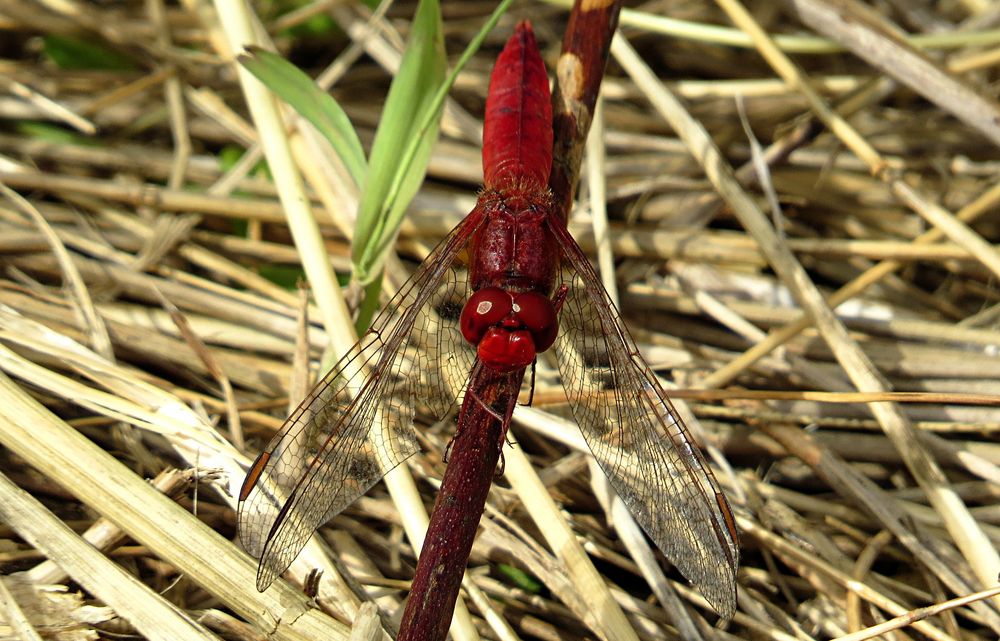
column 508, row 283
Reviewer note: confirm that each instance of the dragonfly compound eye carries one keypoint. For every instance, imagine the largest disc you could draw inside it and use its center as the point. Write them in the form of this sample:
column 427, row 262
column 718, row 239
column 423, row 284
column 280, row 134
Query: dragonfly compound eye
column 537, row 314
column 483, row 310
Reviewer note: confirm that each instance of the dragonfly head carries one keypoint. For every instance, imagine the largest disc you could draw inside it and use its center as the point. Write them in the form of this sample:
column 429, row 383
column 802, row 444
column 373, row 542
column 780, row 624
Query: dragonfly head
column 508, row 329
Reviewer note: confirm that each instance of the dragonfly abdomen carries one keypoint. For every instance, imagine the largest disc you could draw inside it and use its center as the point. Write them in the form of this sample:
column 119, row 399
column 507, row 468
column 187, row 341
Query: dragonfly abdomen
column 517, row 133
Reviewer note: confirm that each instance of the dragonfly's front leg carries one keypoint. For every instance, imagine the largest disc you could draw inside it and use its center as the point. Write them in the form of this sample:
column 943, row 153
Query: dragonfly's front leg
column 503, row 417
column 557, row 302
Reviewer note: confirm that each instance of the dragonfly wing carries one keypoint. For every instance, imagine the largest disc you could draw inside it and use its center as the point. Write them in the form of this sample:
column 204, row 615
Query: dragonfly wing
column 445, row 358
column 356, row 423
column 638, row 437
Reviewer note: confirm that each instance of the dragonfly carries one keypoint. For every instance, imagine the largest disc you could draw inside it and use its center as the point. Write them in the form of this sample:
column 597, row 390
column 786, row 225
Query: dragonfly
column 505, row 287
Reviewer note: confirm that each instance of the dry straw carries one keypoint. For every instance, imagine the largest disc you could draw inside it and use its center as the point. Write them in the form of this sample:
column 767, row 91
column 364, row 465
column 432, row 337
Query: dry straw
column 825, row 302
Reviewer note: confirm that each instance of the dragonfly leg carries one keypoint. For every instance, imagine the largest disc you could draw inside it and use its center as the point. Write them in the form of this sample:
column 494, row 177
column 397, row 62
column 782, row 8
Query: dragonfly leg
column 489, row 410
column 504, row 438
column 531, row 388
column 311, row 585
column 509, row 412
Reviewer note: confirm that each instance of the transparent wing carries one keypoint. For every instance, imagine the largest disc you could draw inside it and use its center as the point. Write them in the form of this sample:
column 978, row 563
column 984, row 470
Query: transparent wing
column 639, row 439
column 356, row 423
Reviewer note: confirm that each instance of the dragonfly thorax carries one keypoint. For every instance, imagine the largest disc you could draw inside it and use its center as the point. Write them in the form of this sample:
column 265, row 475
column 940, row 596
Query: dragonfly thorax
column 508, row 329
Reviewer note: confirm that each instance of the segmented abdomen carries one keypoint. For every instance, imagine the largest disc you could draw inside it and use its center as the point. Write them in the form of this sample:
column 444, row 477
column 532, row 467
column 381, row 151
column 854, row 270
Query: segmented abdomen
column 517, row 134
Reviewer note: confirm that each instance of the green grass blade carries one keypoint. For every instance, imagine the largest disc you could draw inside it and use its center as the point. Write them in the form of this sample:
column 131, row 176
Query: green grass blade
column 296, row 88
column 52, row 133
column 421, row 73
column 71, row 52
column 369, row 305
column 520, row 578
column 368, row 257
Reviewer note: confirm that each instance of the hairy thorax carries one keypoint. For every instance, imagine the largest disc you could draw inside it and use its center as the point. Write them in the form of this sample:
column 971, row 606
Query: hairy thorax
column 513, row 248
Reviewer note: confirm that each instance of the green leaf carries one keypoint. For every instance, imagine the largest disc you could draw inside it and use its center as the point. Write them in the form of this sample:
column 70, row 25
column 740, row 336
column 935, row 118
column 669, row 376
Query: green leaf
column 283, row 275
column 57, row 134
column 293, row 86
column 240, row 227
column 409, row 103
column 397, row 171
column 318, row 25
column 69, row 52
column 229, row 155
column 369, row 305
column 520, row 578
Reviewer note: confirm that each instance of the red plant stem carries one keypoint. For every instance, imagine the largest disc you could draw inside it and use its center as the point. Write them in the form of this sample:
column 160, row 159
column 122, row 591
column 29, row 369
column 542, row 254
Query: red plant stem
column 579, row 73
column 475, row 451
column 515, row 142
